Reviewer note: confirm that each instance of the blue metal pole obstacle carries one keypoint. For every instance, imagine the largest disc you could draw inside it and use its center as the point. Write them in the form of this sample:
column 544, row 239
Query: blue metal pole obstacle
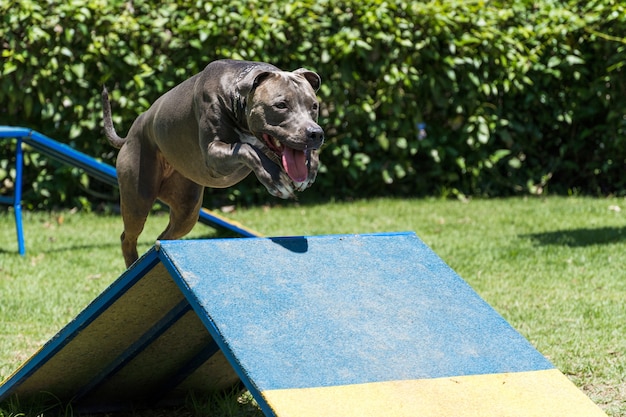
column 334, row 326
column 93, row 167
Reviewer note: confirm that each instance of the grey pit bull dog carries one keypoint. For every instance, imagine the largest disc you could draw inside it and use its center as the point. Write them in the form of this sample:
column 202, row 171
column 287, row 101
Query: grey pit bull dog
column 213, row 130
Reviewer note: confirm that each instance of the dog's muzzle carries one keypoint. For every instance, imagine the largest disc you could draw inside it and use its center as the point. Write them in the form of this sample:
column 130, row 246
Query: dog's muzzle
column 295, row 162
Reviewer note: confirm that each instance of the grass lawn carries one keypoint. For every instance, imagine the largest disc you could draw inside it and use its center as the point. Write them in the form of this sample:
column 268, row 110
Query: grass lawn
column 553, row 267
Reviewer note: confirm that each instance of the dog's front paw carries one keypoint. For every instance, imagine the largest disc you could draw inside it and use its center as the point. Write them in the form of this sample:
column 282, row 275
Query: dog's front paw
column 301, row 186
column 281, row 187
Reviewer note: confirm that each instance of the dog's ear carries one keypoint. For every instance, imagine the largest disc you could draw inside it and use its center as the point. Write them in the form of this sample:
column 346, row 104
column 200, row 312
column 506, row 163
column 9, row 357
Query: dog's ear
column 260, row 78
column 312, row 77
column 252, row 80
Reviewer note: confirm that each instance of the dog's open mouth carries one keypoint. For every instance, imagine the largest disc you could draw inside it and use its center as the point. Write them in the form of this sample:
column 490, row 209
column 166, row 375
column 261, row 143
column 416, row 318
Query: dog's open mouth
column 293, row 161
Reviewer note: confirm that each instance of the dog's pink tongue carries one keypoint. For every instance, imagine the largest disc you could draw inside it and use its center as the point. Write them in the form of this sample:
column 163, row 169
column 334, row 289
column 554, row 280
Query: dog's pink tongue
column 294, row 162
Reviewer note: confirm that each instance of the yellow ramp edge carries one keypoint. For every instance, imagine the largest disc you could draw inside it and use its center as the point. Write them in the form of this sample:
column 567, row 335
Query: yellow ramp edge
column 546, row 393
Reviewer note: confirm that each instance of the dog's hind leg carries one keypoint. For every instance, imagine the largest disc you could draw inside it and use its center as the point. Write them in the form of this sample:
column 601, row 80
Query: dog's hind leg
column 134, row 216
column 184, row 198
column 139, row 176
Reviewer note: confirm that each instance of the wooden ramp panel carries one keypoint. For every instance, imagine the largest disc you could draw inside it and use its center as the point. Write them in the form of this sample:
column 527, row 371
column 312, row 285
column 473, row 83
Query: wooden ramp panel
column 329, row 326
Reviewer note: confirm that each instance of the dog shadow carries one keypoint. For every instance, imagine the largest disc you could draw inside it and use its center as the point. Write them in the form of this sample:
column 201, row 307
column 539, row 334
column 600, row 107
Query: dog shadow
column 296, row 244
column 579, row 237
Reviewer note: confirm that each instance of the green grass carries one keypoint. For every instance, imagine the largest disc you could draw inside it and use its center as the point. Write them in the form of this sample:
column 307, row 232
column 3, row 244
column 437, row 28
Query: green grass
column 554, row 268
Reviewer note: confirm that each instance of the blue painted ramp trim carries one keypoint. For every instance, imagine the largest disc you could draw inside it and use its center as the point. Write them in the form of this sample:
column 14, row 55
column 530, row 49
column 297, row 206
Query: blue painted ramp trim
column 99, row 366
column 186, row 371
column 83, row 320
column 135, row 349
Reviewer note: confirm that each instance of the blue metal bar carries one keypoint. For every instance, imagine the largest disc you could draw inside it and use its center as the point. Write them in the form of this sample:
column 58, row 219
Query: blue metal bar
column 13, row 132
column 66, row 154
column 15, row 200
column 213, row 219
column 17, row 197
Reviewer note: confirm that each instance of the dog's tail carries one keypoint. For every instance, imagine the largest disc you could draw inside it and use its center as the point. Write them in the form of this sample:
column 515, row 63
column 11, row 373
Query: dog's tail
column 109, row 129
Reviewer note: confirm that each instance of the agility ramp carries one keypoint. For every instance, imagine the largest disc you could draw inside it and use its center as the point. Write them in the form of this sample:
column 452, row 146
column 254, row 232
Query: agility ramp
column 359, row 325
column 93, row 167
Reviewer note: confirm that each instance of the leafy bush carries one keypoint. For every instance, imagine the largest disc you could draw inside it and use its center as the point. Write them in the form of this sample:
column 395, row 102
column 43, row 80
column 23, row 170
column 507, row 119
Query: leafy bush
column 515, row 96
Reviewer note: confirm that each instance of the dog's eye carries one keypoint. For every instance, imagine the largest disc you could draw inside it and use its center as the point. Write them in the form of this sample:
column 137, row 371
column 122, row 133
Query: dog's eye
column 281, row 105
column 315, row 107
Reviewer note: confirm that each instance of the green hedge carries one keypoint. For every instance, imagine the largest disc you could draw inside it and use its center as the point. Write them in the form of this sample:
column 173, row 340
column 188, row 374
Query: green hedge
column 516, row 96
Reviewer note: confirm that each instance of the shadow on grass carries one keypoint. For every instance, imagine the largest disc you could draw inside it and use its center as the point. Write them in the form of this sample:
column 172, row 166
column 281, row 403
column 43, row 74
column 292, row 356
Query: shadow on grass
column 61, row 248
column 579, row 237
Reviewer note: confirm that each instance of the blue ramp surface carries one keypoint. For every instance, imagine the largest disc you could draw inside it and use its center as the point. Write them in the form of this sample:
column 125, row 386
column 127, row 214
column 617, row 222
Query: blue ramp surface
column 365, row 325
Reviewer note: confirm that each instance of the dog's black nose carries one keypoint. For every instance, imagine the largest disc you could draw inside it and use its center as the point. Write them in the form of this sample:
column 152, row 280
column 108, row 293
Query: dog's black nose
column 314, row 136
